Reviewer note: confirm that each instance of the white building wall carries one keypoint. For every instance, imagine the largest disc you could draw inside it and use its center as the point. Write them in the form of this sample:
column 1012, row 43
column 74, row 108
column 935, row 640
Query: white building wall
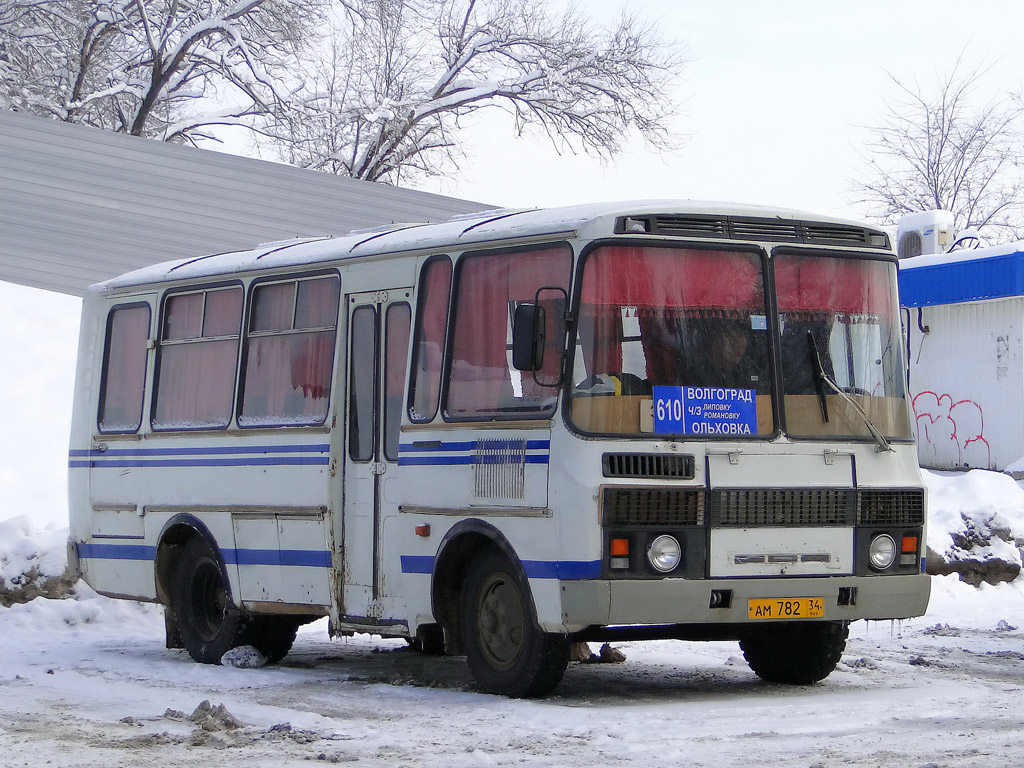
column 967, row 383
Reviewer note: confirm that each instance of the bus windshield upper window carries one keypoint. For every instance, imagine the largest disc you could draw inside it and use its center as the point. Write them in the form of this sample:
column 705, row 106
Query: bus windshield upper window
column 489, row 286
column 845, row 308
column 124, row 369
column 197, row 358
column 290, row 353
column 672, row 341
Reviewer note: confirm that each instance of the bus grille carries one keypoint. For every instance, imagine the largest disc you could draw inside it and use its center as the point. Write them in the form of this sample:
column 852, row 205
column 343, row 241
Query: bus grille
column 796, row 507
column 656, row 465
column 891, row 507
column 653, row 506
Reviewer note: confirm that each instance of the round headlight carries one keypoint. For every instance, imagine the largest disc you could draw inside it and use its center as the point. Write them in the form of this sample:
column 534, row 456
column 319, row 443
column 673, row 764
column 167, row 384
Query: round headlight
column 882, row 551
column 664, row 553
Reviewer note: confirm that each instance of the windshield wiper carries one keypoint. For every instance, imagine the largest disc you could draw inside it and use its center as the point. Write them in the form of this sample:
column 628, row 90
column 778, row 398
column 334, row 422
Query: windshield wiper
column 822, row 378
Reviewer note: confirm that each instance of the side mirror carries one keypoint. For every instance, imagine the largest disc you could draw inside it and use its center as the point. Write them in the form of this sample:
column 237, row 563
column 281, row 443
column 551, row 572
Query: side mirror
column 528, row 337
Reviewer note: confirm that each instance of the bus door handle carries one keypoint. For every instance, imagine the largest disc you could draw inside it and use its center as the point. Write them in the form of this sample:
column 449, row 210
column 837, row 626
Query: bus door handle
column 378, row 468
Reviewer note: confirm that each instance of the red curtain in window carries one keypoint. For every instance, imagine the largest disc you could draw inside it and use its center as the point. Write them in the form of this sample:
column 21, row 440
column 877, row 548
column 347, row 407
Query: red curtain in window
column 601, row 338
column 847, row 286
column 650, row 277
column 487, row 286
column 196, row 384
column 223, row 313
column 124, row 377
column 435, row 284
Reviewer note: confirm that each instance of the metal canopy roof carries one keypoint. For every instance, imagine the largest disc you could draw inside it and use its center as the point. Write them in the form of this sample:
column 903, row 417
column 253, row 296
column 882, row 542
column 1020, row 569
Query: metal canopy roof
column 79, row 205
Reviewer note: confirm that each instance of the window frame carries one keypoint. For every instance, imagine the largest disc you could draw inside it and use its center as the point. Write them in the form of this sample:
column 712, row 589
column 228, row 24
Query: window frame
column 450, row 331
column 768, row 286
column 247, row 334
column 102, row 393
column 160, row 342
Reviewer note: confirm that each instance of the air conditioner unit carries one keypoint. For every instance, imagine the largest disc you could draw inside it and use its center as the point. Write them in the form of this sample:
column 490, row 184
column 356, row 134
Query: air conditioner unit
column 923, row 233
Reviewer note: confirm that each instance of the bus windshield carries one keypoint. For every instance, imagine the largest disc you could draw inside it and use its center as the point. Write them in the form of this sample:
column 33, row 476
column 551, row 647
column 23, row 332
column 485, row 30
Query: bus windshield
column 839, row 332
column 674, row 340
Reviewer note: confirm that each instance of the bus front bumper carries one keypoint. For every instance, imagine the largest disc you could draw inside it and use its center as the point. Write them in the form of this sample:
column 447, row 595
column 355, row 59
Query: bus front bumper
column 728, row 601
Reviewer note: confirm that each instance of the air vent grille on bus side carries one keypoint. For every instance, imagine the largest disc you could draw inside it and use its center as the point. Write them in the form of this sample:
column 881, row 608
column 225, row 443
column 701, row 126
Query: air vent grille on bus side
column 653, row 506
column 652, row 465
column 797, row 507
column 891, row 507
column 753, row 228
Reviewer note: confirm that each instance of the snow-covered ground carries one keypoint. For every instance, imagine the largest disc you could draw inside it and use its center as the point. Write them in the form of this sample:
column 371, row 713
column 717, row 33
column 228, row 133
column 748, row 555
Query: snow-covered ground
column 87, row 682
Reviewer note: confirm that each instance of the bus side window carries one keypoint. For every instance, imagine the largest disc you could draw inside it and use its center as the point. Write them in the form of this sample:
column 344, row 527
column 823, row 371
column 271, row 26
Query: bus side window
column 431, row 321
column 196, row 359
column 481, row 379
column 289, row 356
column 123, row 381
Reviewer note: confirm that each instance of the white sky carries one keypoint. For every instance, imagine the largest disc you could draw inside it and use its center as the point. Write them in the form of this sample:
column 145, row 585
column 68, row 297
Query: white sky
column 775, row 99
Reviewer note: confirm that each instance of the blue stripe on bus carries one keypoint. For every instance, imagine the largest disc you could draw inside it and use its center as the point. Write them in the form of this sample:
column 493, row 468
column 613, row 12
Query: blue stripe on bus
column 471, row 445
column 116, row 551
column 239, row 456
column 405, row 461
column 314, row 558
column 255, row 461
column 563, row 570
column 243, row 449
column 301, row 557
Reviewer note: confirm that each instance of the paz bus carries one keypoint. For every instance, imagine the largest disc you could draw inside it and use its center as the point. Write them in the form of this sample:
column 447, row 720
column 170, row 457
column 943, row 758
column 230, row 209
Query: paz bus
column 508, row 432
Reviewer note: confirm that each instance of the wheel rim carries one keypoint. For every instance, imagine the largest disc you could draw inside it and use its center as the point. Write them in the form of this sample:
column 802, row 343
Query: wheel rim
column 501, row 621
column 208, row 599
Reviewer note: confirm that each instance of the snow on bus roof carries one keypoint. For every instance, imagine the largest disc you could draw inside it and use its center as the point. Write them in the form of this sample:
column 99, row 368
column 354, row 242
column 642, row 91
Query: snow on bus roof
column 465, row 229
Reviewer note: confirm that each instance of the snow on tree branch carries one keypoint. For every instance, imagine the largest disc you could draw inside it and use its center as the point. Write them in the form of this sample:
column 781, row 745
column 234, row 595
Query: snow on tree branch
column 149, row 67
column 387, row 94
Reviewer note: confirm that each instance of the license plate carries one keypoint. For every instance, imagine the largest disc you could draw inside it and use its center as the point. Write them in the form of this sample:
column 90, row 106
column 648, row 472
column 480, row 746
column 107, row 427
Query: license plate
column 776, row 608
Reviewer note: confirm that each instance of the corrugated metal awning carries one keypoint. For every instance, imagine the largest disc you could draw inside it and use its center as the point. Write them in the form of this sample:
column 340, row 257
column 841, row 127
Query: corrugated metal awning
column 79, row 205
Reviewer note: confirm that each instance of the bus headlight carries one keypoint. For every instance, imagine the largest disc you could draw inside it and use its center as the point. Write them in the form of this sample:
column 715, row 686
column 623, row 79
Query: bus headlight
column 664, row 553
column 882, row 551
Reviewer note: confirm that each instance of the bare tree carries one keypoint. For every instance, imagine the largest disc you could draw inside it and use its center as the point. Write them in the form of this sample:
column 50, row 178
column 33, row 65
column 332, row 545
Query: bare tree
column 386, row 95
column 149, row 67
column 936, row 149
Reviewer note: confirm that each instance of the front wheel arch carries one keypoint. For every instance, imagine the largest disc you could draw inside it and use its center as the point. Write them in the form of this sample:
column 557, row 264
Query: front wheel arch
column 464, row 542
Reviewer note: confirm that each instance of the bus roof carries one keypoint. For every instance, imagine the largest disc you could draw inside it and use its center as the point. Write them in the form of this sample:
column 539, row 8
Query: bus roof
column 460, row 232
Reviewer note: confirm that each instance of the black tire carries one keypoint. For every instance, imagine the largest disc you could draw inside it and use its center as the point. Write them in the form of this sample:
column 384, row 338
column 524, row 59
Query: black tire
column 209, row 624
column 274, row 636
column 506, row 650
column 796, row 653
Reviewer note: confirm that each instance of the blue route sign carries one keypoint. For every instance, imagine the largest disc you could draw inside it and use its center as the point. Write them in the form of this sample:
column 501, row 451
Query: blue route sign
column 705, row 411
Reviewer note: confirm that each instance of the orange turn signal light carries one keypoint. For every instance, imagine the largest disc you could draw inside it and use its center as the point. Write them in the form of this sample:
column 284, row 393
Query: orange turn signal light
column 423, row 530
column 909, row 544
column 620, row 548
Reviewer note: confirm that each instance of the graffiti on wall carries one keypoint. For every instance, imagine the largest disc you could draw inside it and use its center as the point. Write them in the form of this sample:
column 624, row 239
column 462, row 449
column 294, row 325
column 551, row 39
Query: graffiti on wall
column 950, row 432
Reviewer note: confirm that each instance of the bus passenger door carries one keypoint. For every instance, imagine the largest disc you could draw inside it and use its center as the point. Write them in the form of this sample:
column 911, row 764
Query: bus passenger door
column 378, row 347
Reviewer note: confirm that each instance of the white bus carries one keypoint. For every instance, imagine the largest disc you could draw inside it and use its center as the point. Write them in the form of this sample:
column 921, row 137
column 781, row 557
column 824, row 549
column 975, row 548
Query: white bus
column 508, row 432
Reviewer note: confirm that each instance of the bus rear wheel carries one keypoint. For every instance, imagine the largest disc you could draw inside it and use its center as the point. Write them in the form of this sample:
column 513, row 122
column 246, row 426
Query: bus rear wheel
column 506, row 650
column 796, row 653
column 209, row 625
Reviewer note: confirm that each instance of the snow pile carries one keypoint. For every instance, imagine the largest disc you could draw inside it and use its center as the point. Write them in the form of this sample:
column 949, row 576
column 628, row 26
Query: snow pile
column 32, row 562
column 975, row 525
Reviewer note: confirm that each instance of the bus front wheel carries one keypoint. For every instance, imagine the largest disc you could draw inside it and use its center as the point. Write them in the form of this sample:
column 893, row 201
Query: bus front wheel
column 506, row 650
column 209, row 625
column 796, row 653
